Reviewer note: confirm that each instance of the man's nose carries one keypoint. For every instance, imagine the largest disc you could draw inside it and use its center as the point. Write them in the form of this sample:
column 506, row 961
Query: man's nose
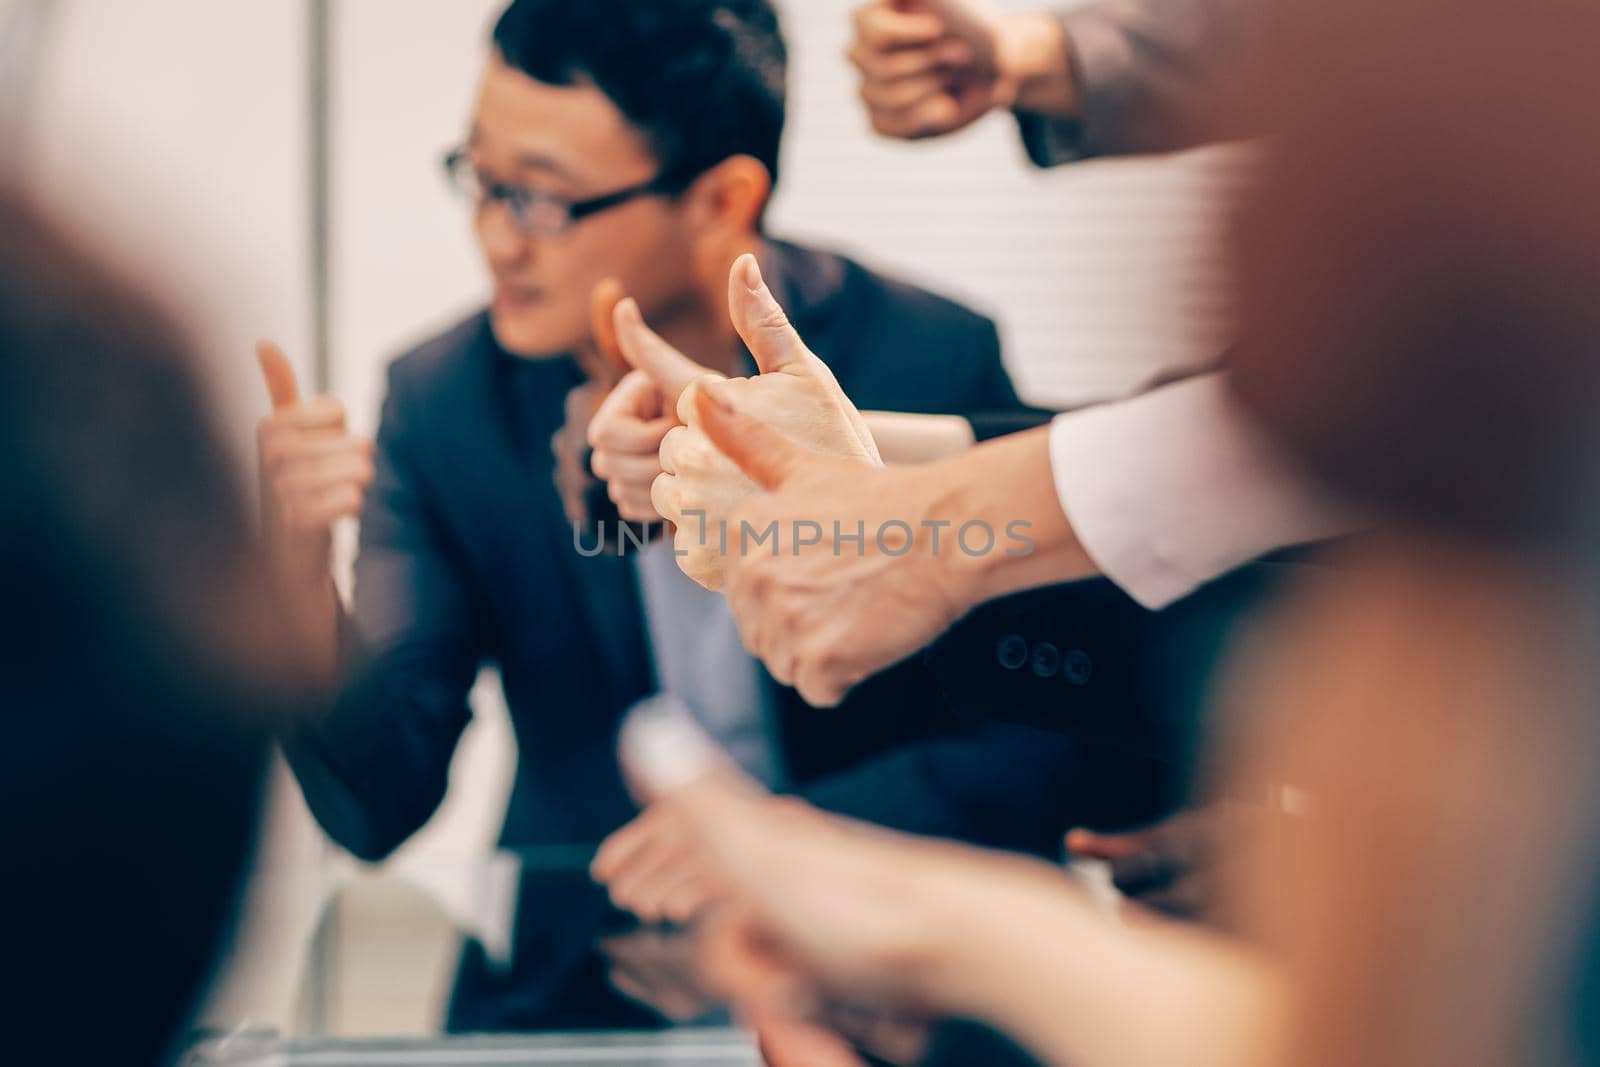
column 504, row 242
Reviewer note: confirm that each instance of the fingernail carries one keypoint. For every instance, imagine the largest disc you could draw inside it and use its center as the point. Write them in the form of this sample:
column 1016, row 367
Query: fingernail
column 627, row 312
column 751, row 273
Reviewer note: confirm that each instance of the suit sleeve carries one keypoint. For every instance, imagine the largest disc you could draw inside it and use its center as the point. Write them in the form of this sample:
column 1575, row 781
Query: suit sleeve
column 1086, row 661
column 1147, row 75
column 1091, row 712
column 375, row 767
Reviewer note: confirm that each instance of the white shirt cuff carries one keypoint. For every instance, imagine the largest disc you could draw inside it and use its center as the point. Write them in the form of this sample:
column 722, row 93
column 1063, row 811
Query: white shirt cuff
column 1170, row 489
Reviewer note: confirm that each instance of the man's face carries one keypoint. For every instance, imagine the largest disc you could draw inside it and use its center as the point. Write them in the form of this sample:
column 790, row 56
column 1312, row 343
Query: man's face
column 571, row 142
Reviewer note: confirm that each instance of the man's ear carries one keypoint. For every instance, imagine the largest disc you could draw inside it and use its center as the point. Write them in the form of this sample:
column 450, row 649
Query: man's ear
column 729, row 199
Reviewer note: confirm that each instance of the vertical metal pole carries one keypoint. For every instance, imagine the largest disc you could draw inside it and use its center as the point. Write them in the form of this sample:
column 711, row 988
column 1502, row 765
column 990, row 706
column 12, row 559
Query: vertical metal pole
column 320, row 129
column 321, row 964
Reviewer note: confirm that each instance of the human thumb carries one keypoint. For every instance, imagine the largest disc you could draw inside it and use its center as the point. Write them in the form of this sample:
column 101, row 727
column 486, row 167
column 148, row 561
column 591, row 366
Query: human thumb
column 278, row 372
column 761, row 321
column 645, row 350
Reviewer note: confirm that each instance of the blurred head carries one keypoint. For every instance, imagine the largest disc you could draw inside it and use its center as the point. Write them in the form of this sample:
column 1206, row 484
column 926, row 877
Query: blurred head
column 1418, row 280
column 584, row 100
column 141, row 659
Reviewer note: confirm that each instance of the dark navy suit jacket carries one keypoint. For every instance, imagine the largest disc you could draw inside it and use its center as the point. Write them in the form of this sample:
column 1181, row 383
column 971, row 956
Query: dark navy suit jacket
column 467, row 560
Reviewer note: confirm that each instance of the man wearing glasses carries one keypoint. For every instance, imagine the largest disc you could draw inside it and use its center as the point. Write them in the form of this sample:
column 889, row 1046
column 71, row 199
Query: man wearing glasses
column 635, row 140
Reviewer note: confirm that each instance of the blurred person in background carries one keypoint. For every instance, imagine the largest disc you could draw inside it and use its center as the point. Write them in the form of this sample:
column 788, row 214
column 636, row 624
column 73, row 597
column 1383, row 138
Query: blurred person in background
column 634, row 140
column 1418, row 297
column 144, row 663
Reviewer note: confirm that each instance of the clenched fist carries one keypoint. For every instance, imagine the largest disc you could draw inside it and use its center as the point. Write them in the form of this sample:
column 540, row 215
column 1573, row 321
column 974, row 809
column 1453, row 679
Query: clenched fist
column 627, row 431
column 795, row 394
column 931, row 67
column 596, row 507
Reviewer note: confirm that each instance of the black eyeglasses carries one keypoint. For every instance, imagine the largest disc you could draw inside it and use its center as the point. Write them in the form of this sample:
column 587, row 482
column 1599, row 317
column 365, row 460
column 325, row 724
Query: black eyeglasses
column 537, row 213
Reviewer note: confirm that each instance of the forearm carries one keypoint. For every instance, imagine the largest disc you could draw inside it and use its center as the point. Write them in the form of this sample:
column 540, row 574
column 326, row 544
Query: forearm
column 1029, row 955
column 1136, row 76
column 1035, row 55
column 1007, row 485
column 369, row 783
column 373, row 764
column 319, row 613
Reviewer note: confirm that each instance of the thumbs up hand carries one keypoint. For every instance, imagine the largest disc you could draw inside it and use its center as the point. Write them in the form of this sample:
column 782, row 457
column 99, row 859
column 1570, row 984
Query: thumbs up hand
column 640, row 426
column 931, row 67
column 794, row 394
column 629, row 426
column 314, row 472
column 794, row 391
column 582, row 490
column 834, row 572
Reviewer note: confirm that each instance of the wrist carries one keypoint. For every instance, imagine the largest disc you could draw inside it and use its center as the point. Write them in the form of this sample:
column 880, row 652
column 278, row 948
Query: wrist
column 1004, row 492
column 316, row 605
column 1034, row 64
column 959, row 536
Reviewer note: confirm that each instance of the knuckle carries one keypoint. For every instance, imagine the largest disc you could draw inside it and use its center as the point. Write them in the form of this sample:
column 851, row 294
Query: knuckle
column 774, row 318
column 828, row 661
column 663, row 487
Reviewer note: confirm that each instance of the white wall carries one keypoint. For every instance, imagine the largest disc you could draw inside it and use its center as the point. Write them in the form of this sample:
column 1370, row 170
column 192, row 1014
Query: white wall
column 171, row 133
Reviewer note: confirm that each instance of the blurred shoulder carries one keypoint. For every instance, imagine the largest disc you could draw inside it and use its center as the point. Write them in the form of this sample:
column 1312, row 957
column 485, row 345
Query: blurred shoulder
column 912, row 305
column 822, row 286
column 872, row 327
column 444, row 355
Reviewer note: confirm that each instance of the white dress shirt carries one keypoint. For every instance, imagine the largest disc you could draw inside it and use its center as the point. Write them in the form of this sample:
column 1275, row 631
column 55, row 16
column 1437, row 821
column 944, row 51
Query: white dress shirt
column 1172, row 488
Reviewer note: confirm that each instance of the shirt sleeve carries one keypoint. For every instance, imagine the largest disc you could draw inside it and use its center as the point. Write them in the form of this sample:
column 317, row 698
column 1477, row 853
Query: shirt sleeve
column 1146, row 73
column 1172, row 488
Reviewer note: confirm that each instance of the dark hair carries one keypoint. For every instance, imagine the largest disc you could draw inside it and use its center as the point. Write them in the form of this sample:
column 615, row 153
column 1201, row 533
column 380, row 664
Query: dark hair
column 703, row 79
column 142, row 661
